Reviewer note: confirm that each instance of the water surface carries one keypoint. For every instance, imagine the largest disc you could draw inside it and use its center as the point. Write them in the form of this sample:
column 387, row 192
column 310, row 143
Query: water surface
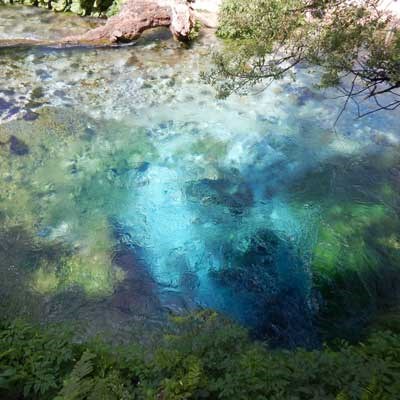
column 128, row 191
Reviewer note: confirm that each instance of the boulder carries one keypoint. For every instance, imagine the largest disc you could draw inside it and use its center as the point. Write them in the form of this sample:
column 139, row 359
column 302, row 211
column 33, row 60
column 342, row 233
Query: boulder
column 135, row 17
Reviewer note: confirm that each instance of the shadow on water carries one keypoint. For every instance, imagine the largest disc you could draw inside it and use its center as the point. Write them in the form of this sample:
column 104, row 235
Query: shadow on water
column 269, row 288
column 138, row 292
column 21, row 254
column 131, row 310
column 360, row 286
column 356, row 256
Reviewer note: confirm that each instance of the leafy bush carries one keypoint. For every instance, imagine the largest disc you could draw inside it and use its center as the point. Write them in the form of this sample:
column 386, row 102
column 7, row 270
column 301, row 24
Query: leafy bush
column 350, row 41
column 202, row 357
column 81, row 7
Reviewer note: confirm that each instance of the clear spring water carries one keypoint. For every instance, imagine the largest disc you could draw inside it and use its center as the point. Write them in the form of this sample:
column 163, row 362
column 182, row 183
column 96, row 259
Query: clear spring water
column 129, row 191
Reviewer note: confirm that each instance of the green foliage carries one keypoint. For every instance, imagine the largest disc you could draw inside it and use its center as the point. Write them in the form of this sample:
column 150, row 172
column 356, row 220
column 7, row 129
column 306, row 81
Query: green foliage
column 268, row 38
column 195, row 32
column 76, row 385
column 29, row 359
column 93, row 377
column 202, row 357
column 81, row 7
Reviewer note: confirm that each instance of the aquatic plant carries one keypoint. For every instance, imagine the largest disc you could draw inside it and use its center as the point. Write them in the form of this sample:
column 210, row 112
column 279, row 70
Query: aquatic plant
column 349, row 266
column 201, row 356
column 55, row 200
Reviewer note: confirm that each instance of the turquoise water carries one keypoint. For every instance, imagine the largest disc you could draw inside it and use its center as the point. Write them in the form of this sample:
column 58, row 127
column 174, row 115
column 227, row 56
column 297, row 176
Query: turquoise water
column 130, row 192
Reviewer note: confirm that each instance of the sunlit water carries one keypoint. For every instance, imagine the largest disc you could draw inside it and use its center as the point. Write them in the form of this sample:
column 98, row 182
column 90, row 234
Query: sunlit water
column 129, row 191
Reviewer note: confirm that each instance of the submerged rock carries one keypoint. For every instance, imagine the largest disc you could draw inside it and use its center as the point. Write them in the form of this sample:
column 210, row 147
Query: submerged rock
column 88, row 133
column 18, row 147
column 13, row 111
column 4, row 105
column 30, row 116
column 137, row 293
column 236, row 196
column 43, row 74
column 271, row 282
column 37, row 93
column 143, row 166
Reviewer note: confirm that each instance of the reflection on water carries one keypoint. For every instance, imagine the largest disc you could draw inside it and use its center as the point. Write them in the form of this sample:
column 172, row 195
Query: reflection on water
column 128, row 191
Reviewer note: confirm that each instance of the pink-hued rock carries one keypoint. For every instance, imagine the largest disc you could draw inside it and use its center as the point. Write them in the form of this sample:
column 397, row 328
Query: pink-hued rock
column 135, row 17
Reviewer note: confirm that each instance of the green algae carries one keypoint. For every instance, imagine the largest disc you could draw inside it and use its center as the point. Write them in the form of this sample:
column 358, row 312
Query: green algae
column 94, row 274
column 45, row 280
column 22, row 253
column 209, row 147
column 88, row 268
column 357, row 203
column 66, row 190
column 356, row 265
column 355, row 256
column 342, row 239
